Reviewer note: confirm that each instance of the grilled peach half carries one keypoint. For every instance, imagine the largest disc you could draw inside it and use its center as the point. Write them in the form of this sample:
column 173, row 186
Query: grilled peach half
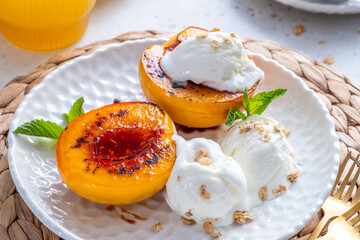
column 117, row 154
column 194, row 105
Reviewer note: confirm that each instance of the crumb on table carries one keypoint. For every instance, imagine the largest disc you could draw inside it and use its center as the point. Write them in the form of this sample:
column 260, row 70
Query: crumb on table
column 329, row 60
column 299, row 29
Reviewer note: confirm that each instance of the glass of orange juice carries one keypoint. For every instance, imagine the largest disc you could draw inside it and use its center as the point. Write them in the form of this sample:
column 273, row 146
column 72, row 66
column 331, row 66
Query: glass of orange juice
column 44, row 25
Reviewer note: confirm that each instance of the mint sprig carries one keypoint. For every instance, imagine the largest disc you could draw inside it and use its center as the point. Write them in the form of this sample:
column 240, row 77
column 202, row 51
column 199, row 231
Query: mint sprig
column 48, row 129
column 233, row 114
column 75, row 111
column 40, row 128
column 255, row 105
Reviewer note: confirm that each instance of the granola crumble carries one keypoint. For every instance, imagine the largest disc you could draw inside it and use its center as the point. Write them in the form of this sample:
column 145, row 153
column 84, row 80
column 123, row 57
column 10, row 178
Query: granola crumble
column 299, row 29
column 203, row 193
column 242, row 216
column 258, row 127
column 293, row 176
column 215, row 44
column 179, row 178
column 203, row 158
column 206, row 161
column 227, row 40
column 208, row 227
column 201, row 153
column 277, row 128
column 187, row 221
column 188, row 213
column 233, row 35
column 158, row 227
column 266, row 137
column 215, row 30
column 216, row 235
column 282, row 187
column 329, row 60
column 276, row 192
column 247, row 126
column 202, row 35
column 263, row 193
column 286, row 133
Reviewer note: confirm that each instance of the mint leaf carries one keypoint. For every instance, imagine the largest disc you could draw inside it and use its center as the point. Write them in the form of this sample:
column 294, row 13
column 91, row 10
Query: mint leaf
column 75, row 111
column 47, row 129
column 234, row 114
column 255, row 105
column 40, row 128
column 245, row 101
column 260, row 101
column 66, row 117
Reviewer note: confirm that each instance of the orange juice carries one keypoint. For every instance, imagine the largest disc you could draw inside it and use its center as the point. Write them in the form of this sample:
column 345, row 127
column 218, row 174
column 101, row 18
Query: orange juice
column 44, row 25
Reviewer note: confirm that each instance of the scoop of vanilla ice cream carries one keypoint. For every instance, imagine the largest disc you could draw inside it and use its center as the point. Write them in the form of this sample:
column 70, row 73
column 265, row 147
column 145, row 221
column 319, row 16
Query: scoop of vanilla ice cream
column 218, row 61
column 204, row 183
column 260, row 146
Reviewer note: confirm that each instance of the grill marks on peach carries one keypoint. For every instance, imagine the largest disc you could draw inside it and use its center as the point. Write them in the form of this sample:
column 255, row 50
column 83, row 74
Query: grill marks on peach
column 115, row 148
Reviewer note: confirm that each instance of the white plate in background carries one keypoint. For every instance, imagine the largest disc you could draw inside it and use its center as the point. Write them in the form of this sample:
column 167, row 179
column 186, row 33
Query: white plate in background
column 323, row 6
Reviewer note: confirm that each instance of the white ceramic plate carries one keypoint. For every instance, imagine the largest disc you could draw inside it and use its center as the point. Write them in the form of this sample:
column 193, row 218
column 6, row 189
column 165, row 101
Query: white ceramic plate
column 112, row 72
column 323, row 6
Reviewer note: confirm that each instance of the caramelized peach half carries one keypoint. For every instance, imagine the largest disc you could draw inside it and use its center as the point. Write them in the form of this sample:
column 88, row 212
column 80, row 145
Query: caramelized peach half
column 117, row 154
column 194, row 105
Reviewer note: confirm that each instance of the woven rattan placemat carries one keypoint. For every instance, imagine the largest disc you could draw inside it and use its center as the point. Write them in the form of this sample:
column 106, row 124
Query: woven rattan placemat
column 340, row 94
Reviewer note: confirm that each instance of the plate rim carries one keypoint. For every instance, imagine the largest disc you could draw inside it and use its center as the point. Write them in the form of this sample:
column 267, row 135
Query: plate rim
column 321, row 7
column 65, row 233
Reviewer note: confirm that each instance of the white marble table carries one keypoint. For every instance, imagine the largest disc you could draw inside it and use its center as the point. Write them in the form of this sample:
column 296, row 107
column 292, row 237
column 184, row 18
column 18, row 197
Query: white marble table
column 257, row 19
